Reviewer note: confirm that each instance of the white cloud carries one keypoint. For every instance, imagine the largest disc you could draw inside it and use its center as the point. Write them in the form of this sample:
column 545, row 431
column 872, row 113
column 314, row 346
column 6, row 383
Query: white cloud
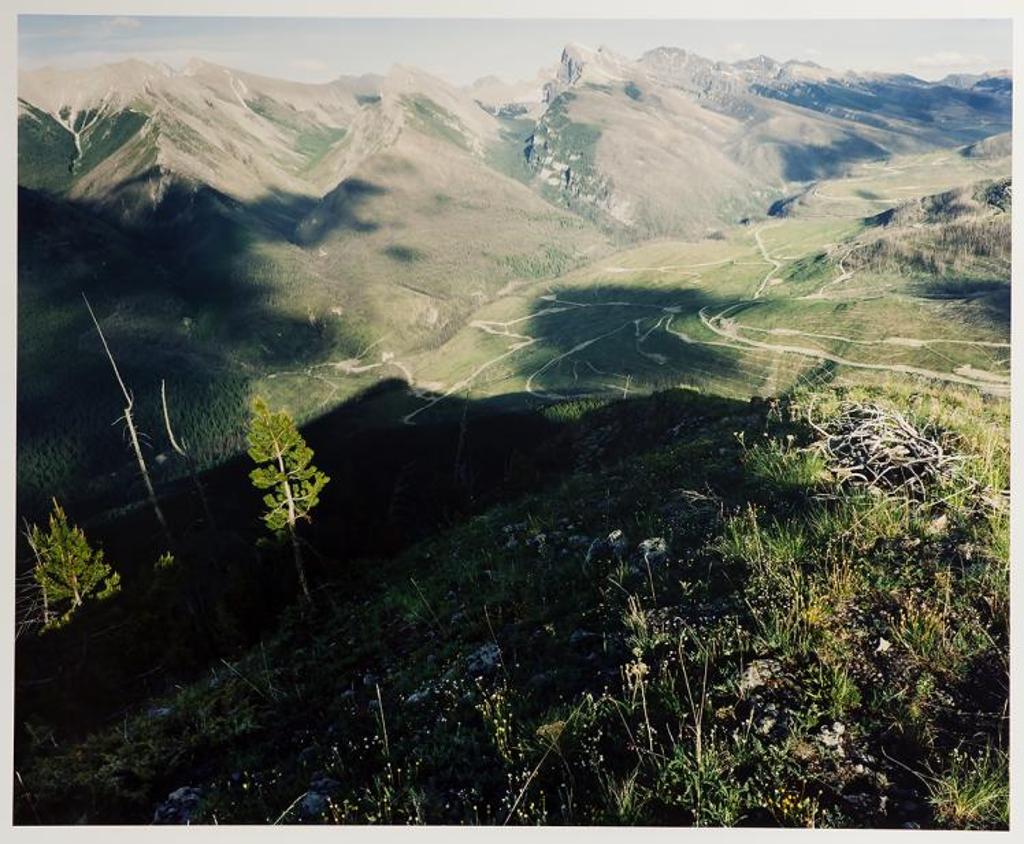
column 946, row 59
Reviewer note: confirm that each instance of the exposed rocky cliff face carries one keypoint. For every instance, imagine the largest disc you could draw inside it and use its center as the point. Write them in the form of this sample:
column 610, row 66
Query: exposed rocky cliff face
column 562, row 154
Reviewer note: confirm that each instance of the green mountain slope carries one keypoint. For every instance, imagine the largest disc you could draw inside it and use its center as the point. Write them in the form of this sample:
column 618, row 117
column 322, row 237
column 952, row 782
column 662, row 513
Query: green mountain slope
column 703, row 624
column 46, row 150
column 244, row 264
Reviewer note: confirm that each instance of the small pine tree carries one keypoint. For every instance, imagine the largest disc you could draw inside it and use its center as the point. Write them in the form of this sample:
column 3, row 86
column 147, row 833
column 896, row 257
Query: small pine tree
column 286, row 469
column 67, row 569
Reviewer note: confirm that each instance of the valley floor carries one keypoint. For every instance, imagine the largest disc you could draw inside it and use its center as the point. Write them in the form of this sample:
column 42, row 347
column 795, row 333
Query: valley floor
column 757, row 310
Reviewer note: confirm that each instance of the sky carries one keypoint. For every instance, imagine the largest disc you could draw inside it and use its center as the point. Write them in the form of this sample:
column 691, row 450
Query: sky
column 461, row 50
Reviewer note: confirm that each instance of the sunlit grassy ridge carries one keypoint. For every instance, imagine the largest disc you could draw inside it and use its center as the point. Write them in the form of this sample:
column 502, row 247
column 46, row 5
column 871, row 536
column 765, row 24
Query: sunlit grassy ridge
column 700, row 626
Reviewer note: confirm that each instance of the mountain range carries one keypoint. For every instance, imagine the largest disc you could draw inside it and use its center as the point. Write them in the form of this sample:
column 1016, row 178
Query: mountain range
column 130, row 137
column 231, row 228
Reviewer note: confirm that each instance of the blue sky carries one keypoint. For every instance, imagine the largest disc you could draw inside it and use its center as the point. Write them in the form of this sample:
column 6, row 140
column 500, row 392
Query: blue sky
column 319, row 49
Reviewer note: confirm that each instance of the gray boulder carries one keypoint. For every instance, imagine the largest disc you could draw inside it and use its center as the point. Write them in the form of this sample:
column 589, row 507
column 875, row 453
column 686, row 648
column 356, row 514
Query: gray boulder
column 484, row 660
column 759, row 673
column 654, row 551
column 313, row 805
column 179, row 807
column 614, row 545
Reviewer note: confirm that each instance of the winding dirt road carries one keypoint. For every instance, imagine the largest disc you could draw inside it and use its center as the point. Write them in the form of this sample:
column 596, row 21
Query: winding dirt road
column 727, row 332
column 990, row 383
column 776, row 264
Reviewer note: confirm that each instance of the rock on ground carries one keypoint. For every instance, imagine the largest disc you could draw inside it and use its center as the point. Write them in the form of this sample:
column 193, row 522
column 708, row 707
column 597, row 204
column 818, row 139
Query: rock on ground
column 179, row 807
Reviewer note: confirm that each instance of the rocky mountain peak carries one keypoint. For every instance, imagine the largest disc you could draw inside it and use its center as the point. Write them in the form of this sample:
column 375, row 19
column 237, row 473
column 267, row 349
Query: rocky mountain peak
column 759, row 67
column 574, row 58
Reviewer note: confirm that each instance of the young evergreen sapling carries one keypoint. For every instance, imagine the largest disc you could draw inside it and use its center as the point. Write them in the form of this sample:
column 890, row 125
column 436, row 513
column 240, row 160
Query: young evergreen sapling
column 68, row 570
column 286, row 470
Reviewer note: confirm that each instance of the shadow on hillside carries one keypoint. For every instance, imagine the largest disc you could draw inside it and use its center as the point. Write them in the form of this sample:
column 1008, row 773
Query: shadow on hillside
column 167, row 210
column 807, row 162
column 608, row 333
column 989, row 300
column 390, row 486
column 339, row 210
column 404, row 254
column 182, row 293
column 720, row 500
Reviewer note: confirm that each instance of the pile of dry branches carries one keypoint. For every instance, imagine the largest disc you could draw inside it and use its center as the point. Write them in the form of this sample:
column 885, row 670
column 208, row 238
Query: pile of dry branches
column 878, row 446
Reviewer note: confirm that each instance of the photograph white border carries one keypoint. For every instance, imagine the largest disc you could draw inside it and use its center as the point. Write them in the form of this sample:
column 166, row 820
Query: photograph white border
column 552, row 9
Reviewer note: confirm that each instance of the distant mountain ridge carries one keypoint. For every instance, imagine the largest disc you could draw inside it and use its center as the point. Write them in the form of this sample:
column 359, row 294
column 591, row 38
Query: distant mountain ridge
column 132, row 127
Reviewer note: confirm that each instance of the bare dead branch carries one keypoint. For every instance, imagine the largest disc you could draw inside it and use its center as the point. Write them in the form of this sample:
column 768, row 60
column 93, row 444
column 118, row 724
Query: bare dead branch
column 110, row 356
column 132, row 432
column 189, row 462
column 880, row 447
